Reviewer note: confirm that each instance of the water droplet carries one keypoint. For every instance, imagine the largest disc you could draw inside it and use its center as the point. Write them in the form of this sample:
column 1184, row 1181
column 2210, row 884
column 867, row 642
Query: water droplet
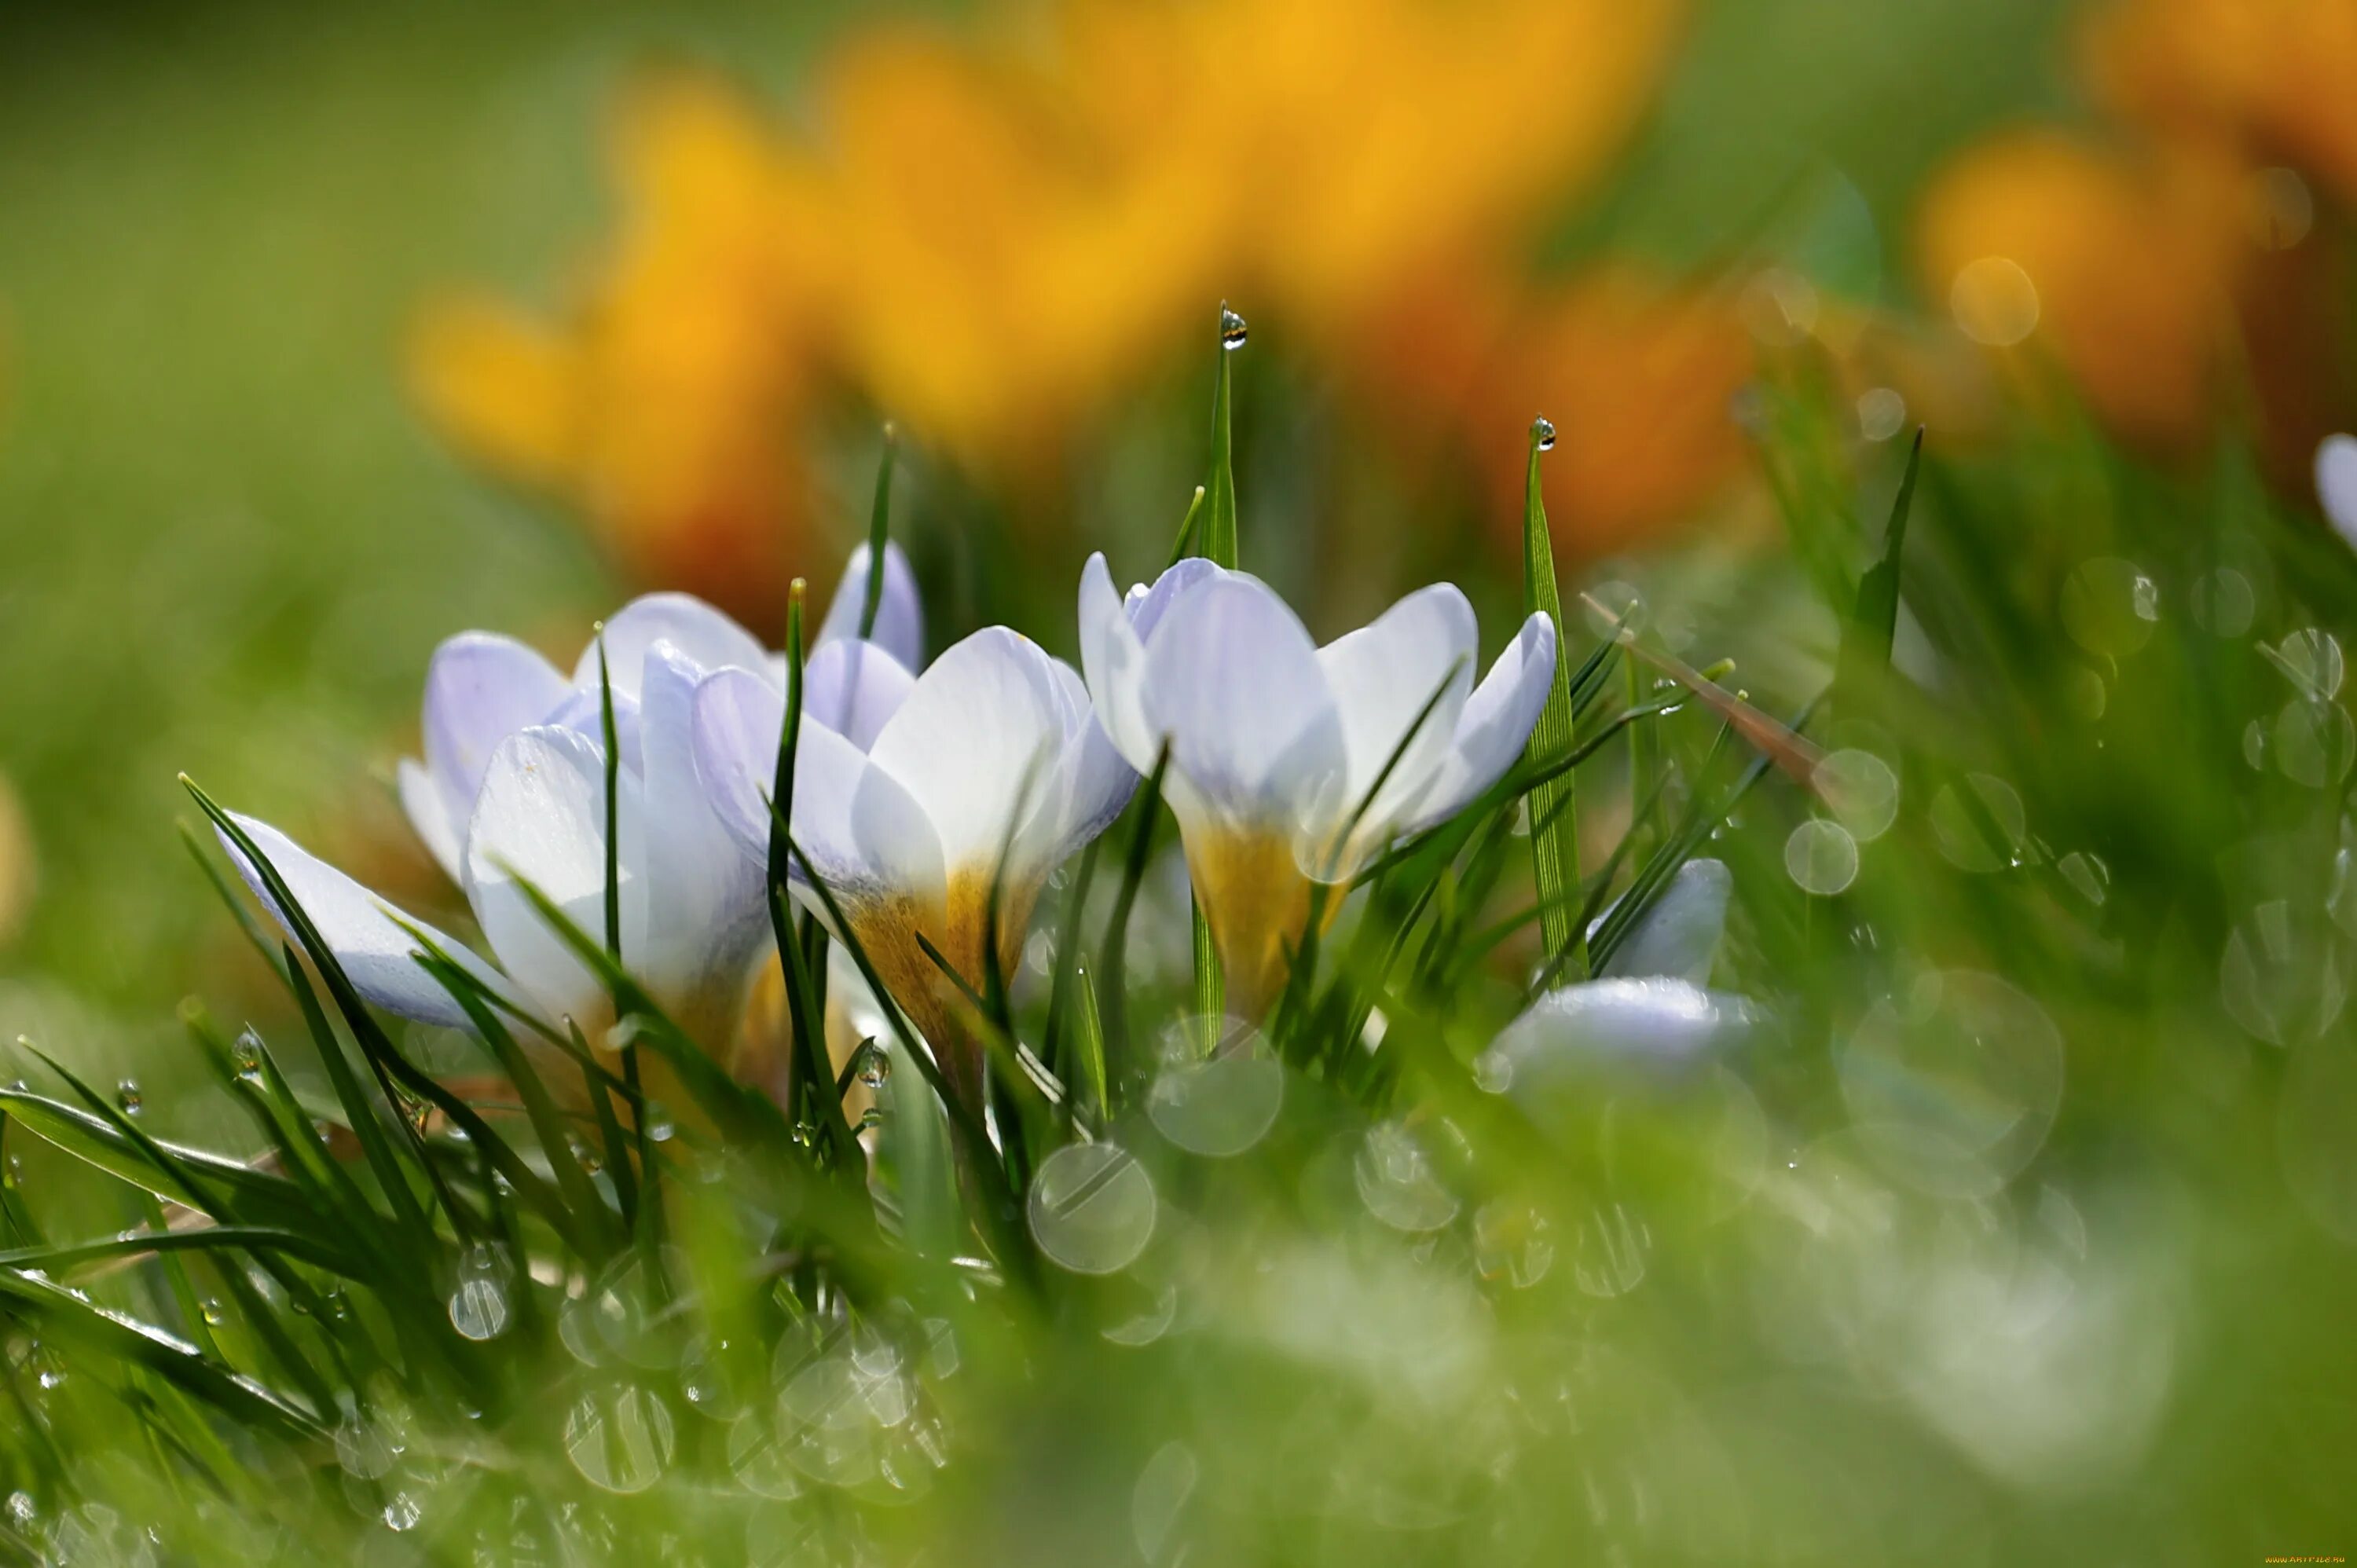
column 479, row 1305
column 2224, row 603
column 2315, row 741
column 402, row 1512
column 1543, row 432
column 1861, row 790
column 620, row 1439
column 1610, row 1251
column 246, row 1056
column 1954, row 1084
column 211, row 1309
column 1821, row 857
column 1994, row 302
column 1493, row 1072
column 1161, row 1493
column 1513, row 1242
column 2110, row 606
column 2088, row 875
column 364, row 1448
column 1397, row 1183
column 1964, row 829
column 1220, row 1105
column 2280, row 977
column 2278, row 208
column 1625, row 600
column 1093, row 1208
column 759, row 1459
column 1881, row 413
column 2312, row 659
column 1780, row 307
column 127, row 1096
column 1232, row 330
column 875, row 1065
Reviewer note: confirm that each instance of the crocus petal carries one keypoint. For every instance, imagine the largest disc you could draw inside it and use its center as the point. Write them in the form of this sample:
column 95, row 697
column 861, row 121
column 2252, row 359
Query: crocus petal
column 1495, row 724
column 2335, row 484
column 1383, row 675
column 1098, row 781
column 704, row 634
column 704, row 911
column 900, row 615
column 1678, row 937
column 1658, row 1029
column 542, row 818
column 853, row 687
column 360, row 928
column 429, row 813
column 1232, row 679
column 1113, row 648
column 1113, row 659
column 584, row 713
column 480, row 688
column 978, row 744
column 862, row 832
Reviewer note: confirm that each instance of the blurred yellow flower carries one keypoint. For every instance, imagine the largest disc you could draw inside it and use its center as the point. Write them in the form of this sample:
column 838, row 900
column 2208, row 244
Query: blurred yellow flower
column 989, row 235
column 2124, row 272
column 2274, row 80
column 662, row 405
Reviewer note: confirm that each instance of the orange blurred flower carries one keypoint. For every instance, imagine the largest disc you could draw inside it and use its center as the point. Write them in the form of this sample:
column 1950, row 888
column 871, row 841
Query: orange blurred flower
column 2123, row 272
column 2274, row 80
column 2183, row 260
column 662, row 403
column 990, row 235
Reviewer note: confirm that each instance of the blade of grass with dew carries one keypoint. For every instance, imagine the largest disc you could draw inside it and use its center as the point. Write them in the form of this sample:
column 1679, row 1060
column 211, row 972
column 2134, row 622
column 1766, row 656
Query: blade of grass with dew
column 1554, row 848
column 1220, row 547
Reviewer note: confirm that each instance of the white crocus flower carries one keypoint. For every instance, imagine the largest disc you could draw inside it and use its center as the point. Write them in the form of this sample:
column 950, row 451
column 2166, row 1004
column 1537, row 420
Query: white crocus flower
column 1646, row 1018
column 2335, row 484
column 915, row 796
column 1276, row 744
column 513, row 790
column 481, row 687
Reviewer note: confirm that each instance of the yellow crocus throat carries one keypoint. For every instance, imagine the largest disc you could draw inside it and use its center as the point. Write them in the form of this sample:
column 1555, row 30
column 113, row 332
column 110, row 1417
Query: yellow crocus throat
column 1256, row 899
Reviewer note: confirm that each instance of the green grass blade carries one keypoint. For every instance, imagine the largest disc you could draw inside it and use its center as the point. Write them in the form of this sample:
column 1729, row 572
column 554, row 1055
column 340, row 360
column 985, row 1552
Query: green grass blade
column 1554, row 849
column 880, row 528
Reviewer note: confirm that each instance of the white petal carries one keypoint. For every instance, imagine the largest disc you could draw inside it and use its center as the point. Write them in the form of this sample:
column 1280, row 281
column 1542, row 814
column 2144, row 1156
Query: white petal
column 853, row 687
column 2336, row 483
column 1496, row 724
column 429, row 813
column 704, row 910
column 542, row 818
column 1678, row 937
column 1233, row 681
column 1115, row 660
column 1097, row 782
column 860, row 828
column 359, row 927
column 1382, row 676
column 480, row 688
column 1655, row 1028
column 900, row 615
column 978, row 742
column 584, row 713
column 1113, row 648
column 704, row 634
